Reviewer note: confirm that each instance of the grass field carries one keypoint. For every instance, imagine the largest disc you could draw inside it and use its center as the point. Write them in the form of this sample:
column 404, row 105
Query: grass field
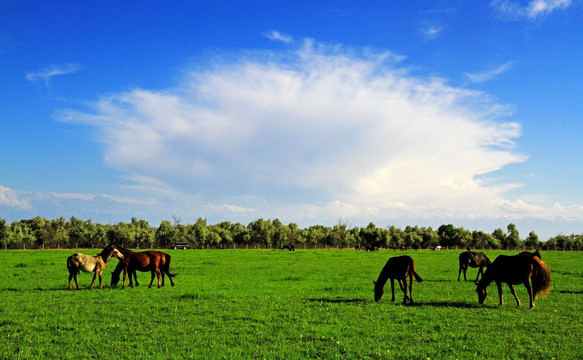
column 263, row 304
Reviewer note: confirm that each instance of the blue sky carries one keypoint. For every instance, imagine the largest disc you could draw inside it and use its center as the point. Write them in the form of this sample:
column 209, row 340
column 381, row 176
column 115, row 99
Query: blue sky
column 417, row 113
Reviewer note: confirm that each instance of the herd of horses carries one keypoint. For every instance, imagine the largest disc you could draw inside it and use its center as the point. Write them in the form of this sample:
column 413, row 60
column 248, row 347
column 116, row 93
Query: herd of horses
column 525, row 268
column 156, row 262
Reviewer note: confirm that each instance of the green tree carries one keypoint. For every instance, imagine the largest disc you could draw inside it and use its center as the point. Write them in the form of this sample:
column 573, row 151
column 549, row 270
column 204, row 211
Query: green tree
column 261, row 232
column 500, row 236
column 513, row 238
column 280, row 233
column 165, row 234
column 199, row 233
column 532, row 240
column 77, row 233
column 4, row 233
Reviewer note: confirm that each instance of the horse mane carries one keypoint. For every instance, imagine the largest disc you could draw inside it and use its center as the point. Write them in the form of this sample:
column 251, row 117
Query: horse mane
column 106, row 253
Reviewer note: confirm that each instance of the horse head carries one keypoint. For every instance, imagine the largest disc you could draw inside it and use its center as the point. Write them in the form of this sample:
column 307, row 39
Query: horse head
column 116, row 253
column 378, row 291
column 482, row 292
column 110, row 251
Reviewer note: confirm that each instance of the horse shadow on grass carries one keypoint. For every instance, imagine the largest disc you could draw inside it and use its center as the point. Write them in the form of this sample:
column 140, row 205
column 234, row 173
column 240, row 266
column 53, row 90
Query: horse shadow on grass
column 338, row 301
column 437, row 304
column 446, row 304
column 579, row 292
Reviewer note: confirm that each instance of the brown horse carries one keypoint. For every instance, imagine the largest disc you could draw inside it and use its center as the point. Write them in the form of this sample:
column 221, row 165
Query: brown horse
column 164, row 267
column 472, row 259
column 89, row 263
column 140, row 261
column 514, row 270
column 398, row 267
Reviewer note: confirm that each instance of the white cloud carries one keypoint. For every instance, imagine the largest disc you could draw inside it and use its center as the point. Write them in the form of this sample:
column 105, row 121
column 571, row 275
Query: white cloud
column 277, row 36
column 489, row 74
column 431, row 32
column 10, row 198
column 514, row 11
column 317, row 133
column 54, row 70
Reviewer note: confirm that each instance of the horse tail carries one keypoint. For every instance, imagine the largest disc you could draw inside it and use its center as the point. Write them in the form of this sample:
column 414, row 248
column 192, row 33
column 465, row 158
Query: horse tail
column 71, row 267
column 166, row 267
column 541, row 277
column 417, row 277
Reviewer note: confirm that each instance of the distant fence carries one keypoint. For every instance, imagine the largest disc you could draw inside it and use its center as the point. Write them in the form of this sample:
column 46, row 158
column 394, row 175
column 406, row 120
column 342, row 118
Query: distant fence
column 297, row 247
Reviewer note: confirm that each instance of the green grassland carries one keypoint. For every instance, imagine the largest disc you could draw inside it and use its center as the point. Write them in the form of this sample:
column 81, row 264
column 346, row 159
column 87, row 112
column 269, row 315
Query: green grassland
column 265, row 304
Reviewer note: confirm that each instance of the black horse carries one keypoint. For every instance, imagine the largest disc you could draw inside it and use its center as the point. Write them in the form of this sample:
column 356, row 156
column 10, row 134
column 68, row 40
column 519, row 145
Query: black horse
column 399, row 268
column 515, row 270
column 472, row 259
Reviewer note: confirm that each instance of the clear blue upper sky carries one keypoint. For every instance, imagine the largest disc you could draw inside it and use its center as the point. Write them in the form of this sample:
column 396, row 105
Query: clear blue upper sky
column 417, row 113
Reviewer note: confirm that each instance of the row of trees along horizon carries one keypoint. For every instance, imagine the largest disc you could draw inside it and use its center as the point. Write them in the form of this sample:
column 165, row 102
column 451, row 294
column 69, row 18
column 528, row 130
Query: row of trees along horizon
column 40, row 232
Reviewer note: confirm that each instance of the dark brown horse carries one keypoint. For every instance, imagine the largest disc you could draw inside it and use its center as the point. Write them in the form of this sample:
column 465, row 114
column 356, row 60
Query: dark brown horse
column 164, row 267
column 472, row 259
column 400, row 268
column 140, row 261
column 514, row 270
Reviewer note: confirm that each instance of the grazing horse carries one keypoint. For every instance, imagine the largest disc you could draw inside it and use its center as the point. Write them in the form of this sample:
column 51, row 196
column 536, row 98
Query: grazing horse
column 398, row 267
column 140, row 261
column 89, row 263
column 472, row 259
column 164, row 267
column 514, row 270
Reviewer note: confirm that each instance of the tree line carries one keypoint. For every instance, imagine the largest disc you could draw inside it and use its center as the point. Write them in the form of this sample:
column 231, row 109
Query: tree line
column 40, row 232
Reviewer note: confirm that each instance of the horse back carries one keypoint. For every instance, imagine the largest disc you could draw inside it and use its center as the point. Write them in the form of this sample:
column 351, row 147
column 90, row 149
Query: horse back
column 83, row 262
column 399, row 267
column 512, row 269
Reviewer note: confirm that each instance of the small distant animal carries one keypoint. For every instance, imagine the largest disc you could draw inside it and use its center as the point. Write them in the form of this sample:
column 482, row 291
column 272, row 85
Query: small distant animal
column 514, row 270
column 472, row 259
column 399, row 268
column 87, row 263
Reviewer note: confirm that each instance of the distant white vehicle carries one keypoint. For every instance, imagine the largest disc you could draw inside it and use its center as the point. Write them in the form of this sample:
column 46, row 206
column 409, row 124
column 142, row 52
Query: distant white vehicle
column 180, row 245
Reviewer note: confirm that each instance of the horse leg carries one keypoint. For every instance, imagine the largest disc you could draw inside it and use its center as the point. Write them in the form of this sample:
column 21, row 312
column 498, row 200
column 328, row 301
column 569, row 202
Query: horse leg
column 70, row 278
column 125, row 272
column 92, row 282
column 135, row 277
column 499, row 285
column 100, row 277
column 403, row 283
column 158, row 275
column 459, row 273
column 411, row 288
column 514, row 293
column 478, row 274
column 76, row 277
column 530, row 295
column 393, row 289
column 152, row 280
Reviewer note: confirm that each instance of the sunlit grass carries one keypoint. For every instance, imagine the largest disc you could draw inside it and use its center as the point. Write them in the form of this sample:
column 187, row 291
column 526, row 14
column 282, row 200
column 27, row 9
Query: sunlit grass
column 282, row 305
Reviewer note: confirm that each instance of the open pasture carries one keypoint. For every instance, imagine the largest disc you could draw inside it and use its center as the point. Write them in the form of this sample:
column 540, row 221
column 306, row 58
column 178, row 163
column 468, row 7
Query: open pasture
column 266, row 304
